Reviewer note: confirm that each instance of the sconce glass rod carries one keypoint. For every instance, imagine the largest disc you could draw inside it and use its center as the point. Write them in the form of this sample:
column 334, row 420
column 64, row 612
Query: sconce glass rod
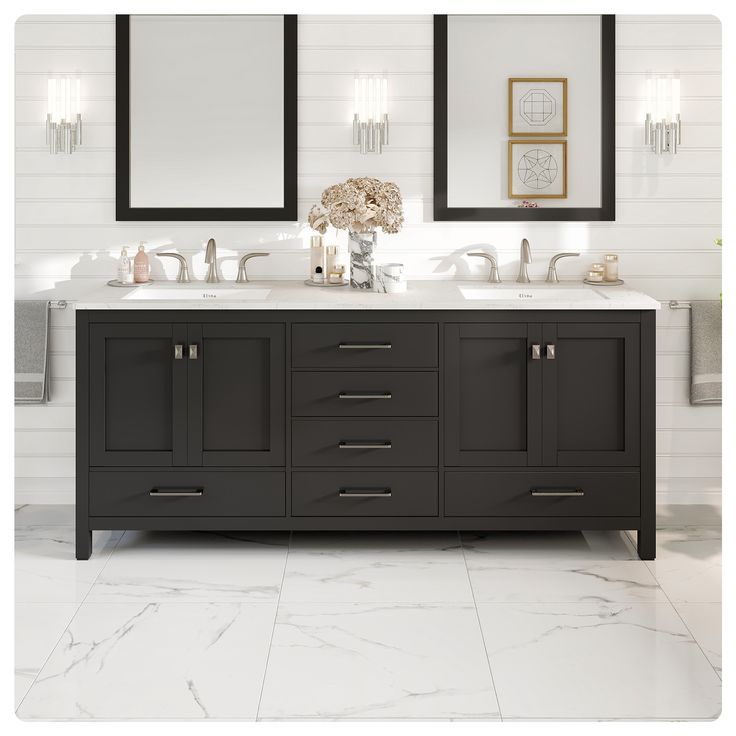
column 663, row 125
column 64, row 115
column 370, row 113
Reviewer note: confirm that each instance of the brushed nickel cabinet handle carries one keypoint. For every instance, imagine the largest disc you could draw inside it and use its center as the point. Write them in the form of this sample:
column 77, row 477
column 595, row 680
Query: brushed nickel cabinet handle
column 536, row 352
column 344, row 395
column 178, row 352
column 193, row 352
column 364, row 346
column 365, row 445
column 550, row 352
column 364, row 493
column 161, row 492
column 557, row 492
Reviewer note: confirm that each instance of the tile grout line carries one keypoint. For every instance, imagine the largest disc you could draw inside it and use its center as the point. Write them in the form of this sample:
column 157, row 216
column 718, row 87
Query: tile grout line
column 273, row 628
column 69, row 623
column 480, row 627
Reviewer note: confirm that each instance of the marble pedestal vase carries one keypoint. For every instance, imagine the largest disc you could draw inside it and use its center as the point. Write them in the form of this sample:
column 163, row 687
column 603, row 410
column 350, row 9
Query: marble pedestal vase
column 362, row 248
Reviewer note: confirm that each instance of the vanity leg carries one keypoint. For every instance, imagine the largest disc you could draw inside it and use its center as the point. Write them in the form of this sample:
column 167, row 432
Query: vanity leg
column 646, row 542
column 84, row 543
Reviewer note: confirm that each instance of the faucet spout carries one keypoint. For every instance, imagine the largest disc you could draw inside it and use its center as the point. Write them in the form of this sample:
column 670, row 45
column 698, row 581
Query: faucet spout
column 525, row 257
column 210, row 258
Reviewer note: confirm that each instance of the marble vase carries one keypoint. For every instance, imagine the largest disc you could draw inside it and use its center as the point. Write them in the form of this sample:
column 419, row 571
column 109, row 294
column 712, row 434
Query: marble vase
column 362, row 248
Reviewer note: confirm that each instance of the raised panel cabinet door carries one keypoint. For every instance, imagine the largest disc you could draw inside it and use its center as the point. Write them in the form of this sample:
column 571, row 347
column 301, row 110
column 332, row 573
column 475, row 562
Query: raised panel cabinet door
column 137, row 395
column 236, row 394
column 492, row 394
column 591, row 386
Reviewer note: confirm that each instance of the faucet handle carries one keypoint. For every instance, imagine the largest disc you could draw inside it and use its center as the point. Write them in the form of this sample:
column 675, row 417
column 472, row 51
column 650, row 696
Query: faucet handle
column 493, row 276
column 552, row 277
column 183, row 276
column 242, row 275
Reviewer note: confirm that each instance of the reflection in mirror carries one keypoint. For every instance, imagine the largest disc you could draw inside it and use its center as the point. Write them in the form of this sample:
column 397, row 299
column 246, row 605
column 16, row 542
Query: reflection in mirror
column 206, row 116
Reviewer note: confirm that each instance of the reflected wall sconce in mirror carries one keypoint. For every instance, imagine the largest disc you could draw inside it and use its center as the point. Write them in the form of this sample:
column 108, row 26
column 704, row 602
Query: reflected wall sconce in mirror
column 370, row 113
column 64, row 115
column 662, row 125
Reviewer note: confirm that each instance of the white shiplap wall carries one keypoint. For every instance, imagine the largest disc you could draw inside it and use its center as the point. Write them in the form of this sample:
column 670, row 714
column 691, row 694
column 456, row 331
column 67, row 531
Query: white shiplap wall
column 669, row 208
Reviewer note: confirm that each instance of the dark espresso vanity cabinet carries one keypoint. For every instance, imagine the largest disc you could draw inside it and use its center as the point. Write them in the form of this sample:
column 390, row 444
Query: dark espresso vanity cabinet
column 416, row 419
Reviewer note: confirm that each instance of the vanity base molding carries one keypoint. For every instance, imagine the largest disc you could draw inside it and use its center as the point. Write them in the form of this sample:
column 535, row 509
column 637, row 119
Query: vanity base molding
column 351, row 420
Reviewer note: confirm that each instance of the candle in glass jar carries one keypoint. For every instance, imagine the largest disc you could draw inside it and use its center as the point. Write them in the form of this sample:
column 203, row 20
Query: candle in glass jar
column 594, row 275
column 611, row 260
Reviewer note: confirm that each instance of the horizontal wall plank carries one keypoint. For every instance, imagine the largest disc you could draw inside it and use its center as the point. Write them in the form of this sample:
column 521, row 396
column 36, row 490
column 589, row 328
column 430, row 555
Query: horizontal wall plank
column 689, row 441
column 656, row 34
column 664, row 60
column 683, row 466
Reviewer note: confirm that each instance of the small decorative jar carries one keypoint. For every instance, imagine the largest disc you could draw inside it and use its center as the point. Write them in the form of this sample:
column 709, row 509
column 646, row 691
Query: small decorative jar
column 594, row 275
column 611, row 260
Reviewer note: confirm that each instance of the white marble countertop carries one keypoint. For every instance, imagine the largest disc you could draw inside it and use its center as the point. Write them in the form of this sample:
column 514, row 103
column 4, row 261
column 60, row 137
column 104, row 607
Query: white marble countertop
column 295, row 295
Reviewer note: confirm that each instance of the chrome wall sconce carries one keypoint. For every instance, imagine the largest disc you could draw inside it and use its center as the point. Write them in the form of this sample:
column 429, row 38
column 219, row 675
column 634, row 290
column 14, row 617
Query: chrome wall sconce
column 64, row 116
column 662, row 125
column 370, row 114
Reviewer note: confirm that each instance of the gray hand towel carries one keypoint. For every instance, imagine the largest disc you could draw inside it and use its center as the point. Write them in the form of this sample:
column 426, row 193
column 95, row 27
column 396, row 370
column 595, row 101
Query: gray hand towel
column 31, row 352
column 705, row 353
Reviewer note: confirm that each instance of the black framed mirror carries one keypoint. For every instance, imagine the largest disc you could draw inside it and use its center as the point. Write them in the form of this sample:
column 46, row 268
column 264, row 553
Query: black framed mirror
column 206, row 117
column 524, row 109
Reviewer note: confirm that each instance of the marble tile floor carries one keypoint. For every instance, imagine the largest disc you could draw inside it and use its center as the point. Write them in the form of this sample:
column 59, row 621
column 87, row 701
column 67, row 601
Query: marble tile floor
column 439, row 626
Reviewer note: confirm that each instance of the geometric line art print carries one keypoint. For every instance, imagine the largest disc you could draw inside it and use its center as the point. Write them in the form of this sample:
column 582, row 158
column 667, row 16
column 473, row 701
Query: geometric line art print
column 537, row 169
column 537, row 107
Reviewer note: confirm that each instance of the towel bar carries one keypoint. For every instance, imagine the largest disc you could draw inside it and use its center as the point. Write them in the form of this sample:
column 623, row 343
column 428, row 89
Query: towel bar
column 680, row 305
column 60, row 304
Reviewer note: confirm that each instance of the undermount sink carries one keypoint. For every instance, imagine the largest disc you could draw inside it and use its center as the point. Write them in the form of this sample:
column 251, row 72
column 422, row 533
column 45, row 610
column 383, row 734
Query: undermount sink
column 199, row 292
column 531, row 293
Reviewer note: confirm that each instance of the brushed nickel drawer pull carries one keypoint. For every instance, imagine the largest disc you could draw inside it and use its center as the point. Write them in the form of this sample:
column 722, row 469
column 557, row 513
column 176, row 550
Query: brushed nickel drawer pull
column 557, row 492
column 364, row 346
column 178, row 352
column 536, row 352
column 193, row 352
column 550, row 352
column 161, row 492
column 364, row 493
column 386, row 395
column 365, row 445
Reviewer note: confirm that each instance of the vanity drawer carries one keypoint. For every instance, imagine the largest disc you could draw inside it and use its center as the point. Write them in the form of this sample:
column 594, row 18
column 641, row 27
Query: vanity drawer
column 542, row 493
column 364, row 442
column 351, row 345
column 187, row 493
column 379, row 493
column 364, row 394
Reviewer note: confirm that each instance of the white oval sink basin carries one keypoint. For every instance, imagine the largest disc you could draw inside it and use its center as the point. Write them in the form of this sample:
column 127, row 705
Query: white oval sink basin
column 530, row 294
column 198, row 293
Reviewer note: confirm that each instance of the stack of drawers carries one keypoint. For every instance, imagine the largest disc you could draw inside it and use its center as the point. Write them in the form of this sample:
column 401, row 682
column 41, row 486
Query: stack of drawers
column 364, row 426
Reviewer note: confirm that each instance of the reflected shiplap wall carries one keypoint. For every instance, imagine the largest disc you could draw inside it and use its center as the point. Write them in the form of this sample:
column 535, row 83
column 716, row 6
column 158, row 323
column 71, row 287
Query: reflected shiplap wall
column 669, row 208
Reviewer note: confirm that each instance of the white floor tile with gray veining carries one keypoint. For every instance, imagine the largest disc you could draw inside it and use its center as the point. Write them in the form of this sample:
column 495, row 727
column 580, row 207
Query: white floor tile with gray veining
column 365, row 626
column 191, row 566
column 360, row 660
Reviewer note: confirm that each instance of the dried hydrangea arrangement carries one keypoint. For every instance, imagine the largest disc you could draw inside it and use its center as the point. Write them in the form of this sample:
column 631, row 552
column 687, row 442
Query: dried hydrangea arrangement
column 359, row 205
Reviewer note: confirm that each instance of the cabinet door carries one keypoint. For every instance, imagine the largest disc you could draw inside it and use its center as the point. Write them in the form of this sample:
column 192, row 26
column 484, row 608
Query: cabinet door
column 591, row 394
column 236, row 394
column 137, row 395
column 492, row 394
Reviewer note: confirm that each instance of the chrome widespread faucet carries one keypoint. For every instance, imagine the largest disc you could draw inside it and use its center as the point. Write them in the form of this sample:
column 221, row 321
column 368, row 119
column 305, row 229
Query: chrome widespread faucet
column 552, row 277
column 493, row 276
column 210, row 257
column 242, row 275
column 525, row 258
column 183, row 276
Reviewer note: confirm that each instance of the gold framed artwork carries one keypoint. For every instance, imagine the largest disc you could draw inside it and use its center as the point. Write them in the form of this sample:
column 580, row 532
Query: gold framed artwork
column 538, row 106
column 537, row 169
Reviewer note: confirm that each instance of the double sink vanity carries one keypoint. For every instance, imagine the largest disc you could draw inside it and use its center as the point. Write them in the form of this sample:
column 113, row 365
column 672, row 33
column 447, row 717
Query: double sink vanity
column 455, row 405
